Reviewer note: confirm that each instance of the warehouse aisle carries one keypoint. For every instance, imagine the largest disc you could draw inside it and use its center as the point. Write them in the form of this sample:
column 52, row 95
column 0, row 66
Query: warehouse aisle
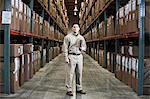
column 48, row 83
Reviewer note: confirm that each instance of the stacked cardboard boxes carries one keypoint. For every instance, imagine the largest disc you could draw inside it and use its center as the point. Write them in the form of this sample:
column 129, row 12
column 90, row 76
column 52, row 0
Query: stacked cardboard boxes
column 15, row 15
column 101, row 57
column 108, row 61
column 110, row 26
column 20, row 15
column 101, row 29
column 146, row 85
column 121, row 20
column 44, row 56
column 35, row 62
column 147, row 18
column 16, row 51
column 21, row 71
column 128, row 18
column 35, row 22
column 28, row 52
column 46, row 4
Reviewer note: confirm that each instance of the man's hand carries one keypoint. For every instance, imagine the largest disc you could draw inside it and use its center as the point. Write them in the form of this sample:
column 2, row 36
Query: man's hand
column 67, row 60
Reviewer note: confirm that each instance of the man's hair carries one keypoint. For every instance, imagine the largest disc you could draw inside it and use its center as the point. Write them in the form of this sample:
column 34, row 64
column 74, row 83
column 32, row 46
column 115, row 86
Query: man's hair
column 75, row 23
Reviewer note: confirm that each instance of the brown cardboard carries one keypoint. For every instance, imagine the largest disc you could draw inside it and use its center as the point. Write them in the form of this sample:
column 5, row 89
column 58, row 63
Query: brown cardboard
column 112, row 62
column 28, row 48
column 146, row 85
column 21, row 22
column 147, row 18
column 21, row 75
column 14, row 83
column 13, row 80
column 134, row 84
column 134, row 24
column 16, row 50
column 1, row 88
column 121, row 27
column 26, row 67
column 135, row 51
column 1, row 76
column 118, row 72
column 13, row 10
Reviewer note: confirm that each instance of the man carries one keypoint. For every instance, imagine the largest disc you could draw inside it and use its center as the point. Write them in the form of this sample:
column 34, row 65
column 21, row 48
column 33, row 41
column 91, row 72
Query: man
column 73, row 47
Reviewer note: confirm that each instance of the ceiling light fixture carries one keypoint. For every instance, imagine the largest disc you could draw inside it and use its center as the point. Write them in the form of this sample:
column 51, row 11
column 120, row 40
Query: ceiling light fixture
column 75, row 13
column 76, row 2
column 75, row 9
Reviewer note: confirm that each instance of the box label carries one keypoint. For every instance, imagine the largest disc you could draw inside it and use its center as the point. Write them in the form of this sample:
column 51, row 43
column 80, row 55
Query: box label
column 6, row 17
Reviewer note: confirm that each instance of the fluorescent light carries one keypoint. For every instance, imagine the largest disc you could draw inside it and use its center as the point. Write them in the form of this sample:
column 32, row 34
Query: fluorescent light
column 75, row 13
column 76, row 2
column 75, row 9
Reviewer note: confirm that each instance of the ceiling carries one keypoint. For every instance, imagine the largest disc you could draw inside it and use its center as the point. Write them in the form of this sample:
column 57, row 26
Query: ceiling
column 70, row 5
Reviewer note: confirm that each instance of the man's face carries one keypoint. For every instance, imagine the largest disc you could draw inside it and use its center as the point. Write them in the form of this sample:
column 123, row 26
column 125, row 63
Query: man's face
column 75, row 28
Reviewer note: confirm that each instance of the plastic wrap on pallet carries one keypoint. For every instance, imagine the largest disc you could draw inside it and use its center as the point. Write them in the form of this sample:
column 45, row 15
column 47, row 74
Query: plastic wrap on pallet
column 17, row 67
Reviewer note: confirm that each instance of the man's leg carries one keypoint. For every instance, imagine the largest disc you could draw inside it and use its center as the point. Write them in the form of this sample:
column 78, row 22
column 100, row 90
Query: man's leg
column 70, row 73
column 79, row 69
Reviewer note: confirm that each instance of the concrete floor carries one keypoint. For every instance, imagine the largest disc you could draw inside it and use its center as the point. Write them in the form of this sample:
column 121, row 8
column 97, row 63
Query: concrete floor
column 49, row 83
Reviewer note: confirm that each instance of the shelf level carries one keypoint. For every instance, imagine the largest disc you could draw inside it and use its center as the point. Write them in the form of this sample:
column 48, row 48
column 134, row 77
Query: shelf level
column 101, row 11
column 118, row 37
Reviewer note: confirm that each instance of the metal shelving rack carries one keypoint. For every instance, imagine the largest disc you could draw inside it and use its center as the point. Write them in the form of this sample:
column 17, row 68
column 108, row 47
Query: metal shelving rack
column 11, row 36
column 111, row 7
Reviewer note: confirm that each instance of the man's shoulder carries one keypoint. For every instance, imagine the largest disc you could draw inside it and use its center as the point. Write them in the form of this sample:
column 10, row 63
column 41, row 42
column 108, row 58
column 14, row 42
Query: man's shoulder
column 81, row 36
column 68, row 35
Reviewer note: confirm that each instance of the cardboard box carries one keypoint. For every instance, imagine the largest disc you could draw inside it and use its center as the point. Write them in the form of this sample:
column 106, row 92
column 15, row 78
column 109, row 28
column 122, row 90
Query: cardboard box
column 14, row 74
column 39, row 59
column 26, row 67
column 134, row 51
column 118, row 67
column 31, row 65
column 21, row 71
column 147, row 18
column 15, row 50
column 102, row 57
column 135, row 23
column 101, row 29
column 146, row 85
column 110, row 26
column 108, row 61
column 134, row 74
column 15, row 19
column 129, row 75
column 28, row 48
column 1, row 88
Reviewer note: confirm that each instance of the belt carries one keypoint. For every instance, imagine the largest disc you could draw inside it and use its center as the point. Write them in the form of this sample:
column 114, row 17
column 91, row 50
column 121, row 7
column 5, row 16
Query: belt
column 74, row 54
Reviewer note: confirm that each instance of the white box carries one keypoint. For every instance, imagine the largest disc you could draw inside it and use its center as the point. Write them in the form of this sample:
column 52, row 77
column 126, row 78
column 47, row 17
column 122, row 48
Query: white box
column 134, row 63
column 130, row 5
column 126, row 9
column 123, row 61
column 134, row 5
column 13, row 3
column 17, row 4
column 20, row 6
column 130, row 65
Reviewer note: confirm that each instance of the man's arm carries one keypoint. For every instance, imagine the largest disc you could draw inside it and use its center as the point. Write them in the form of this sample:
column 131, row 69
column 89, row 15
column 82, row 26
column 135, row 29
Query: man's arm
column 83, row 45
column 65, row 49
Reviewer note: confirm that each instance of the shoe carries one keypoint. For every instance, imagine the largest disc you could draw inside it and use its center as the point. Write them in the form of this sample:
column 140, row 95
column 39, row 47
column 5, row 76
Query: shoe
column 81, row 92
column 69, row 93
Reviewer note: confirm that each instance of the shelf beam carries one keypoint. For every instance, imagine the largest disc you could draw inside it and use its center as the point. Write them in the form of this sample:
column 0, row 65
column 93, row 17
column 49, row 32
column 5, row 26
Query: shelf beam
column 42, row 39
column 7, row 7
column 31, row 4
column 141, row 48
